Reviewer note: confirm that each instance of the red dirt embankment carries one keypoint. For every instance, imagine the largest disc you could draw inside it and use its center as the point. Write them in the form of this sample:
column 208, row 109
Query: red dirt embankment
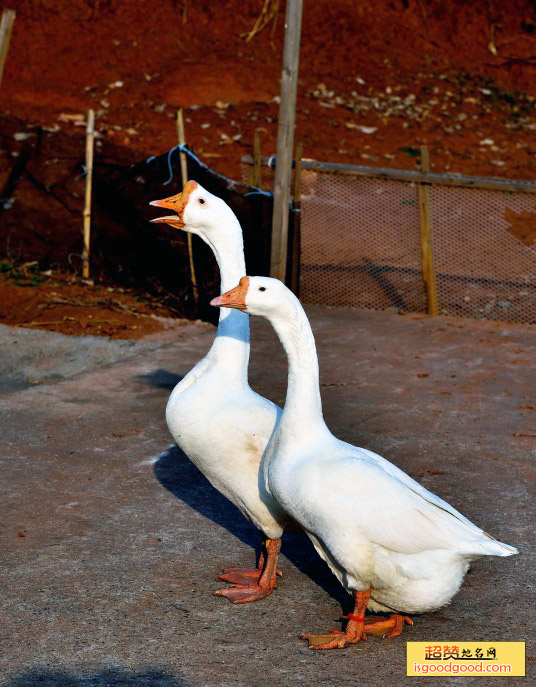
column 377, row 79
column 454, row 67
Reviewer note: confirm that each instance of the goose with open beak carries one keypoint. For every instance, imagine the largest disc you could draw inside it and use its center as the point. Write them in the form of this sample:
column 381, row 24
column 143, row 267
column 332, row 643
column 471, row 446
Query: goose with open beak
column 219, row 422
column 176, row 203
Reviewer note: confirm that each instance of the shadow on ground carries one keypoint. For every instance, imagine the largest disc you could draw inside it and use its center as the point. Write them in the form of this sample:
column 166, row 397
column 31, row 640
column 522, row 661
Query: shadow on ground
column 178, row 475
column 103, row 677
column 160, row 379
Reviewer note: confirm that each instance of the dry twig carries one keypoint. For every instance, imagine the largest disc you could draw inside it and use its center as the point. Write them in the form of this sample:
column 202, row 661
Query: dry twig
column 107, row 304
column 269, row 12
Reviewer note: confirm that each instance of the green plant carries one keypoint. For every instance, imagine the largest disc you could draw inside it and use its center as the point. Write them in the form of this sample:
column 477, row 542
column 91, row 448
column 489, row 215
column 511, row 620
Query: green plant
column 411, row 151
column 22, row 275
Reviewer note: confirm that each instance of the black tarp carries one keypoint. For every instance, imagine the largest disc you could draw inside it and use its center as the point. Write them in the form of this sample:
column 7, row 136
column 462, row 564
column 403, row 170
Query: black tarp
column 130, row 250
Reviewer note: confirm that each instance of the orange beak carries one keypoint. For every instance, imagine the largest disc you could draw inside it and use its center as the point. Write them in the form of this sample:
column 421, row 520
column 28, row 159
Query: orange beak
column 235, row 298
column 176, row 203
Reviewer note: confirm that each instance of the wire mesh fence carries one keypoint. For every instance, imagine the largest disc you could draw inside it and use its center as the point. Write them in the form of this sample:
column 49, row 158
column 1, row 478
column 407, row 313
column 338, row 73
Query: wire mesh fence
column 360, row 243
column 484, row 247
column 361, row 246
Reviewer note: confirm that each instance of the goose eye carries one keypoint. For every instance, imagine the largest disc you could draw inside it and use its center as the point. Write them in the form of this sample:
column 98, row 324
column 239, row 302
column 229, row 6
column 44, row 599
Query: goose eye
column 201, row 201
column 262, row 288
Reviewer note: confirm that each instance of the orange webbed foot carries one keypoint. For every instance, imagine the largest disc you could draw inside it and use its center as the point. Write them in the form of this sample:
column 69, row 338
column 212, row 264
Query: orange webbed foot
column 334, row 640
column 239, row 575
column 358, row 627
column 253, row 585
column 387, row 627
column 243, row 594
column 242, row 576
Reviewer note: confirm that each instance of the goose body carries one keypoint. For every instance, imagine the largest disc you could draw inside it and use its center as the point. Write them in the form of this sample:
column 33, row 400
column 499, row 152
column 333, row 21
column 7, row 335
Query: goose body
column 223, row 427
column 220, row 423
column 375, row 527
column 393, row 544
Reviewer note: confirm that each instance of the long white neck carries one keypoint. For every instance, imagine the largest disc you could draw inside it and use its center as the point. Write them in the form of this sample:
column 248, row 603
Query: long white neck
column 231, row 345
column 302, row 414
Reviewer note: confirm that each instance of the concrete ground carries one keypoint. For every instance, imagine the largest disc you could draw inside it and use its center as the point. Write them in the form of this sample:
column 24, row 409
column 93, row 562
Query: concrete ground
column 110, row 540
column 31, row 357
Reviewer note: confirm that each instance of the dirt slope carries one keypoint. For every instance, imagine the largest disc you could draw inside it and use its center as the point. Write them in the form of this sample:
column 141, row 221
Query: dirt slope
column 377, row 79
column 137, row 62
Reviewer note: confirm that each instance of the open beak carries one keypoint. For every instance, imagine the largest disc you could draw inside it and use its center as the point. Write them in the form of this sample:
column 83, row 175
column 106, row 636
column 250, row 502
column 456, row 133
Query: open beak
column 176, row 203
column 235, row 298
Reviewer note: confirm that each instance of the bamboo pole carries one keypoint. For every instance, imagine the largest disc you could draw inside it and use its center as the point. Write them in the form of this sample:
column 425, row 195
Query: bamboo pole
column 90, row 138
column 6, row 27
column 257, row 178
column 184, row 175
column 428, row 272
column 182, row 140
column 251, row 172
column 285, row 138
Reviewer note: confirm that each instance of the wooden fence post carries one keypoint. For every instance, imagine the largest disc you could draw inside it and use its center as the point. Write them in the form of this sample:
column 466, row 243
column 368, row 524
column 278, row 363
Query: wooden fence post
column 294, row 244
column 428, row 272
column 90, row 138
column 285, row 138
column 184, row 174
column 297, row 173
column 6, row 27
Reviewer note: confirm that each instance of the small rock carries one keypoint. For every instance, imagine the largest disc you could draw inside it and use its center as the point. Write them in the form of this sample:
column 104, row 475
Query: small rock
column 22, row 136
column 359, row 127
column 64, row 117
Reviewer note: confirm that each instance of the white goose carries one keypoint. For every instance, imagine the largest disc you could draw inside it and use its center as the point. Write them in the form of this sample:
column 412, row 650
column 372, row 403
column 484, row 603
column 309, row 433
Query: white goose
column 392, row 543
column 219, row 422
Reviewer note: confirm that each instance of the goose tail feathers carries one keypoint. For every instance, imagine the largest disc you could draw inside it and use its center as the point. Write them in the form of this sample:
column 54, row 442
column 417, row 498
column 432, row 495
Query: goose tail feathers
column 491, row 547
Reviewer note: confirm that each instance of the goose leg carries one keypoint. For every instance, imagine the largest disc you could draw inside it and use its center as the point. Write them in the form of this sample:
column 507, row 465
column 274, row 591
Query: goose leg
column 254, row 589
column 244, row 575
column 355, row 628
column 358, row 627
